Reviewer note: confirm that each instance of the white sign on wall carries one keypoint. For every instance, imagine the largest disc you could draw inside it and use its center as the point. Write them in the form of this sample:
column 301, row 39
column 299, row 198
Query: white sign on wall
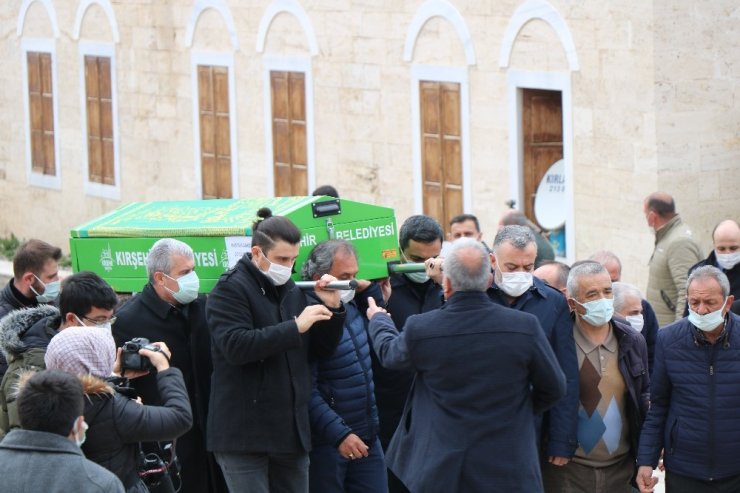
column 549, row 203
column 236, row 247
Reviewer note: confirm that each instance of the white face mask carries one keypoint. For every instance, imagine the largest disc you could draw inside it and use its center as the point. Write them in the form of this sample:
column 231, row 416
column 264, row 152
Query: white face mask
column 708, row 322
column 278, row 274
column 347, row 295
column 727, row 260
column 636, row 321
column 515, row 284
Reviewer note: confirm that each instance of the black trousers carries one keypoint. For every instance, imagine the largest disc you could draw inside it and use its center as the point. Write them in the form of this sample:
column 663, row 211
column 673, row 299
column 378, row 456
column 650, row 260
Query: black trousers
column 675, row 483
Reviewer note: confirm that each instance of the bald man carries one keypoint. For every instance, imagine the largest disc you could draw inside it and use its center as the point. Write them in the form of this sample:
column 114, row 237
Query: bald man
column 675, row 252
column 555, row 274
column 725, row 255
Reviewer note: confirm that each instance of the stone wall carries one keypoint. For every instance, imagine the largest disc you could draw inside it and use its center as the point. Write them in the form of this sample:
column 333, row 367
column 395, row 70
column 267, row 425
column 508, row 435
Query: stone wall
column 654, row 106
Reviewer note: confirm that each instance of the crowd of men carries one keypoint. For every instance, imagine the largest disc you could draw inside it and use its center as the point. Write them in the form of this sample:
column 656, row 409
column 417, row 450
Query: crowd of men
column 494, row 369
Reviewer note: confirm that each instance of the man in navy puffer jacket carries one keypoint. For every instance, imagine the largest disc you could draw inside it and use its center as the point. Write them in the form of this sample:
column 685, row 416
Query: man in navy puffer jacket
column 695, row 395
column 346, row 454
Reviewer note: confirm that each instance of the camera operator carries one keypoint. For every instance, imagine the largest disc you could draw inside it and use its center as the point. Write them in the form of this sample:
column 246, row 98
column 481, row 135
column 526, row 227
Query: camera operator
column 170, row 309
column 117, row 422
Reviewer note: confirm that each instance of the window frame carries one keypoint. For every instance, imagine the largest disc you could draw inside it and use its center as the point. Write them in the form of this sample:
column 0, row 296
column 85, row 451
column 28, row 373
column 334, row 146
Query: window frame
column 272, row 63
column 432, row 73
column 41, row 45
column 100, row 49
column 213, row 59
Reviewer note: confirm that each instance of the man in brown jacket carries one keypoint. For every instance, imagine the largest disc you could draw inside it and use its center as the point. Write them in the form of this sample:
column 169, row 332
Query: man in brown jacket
column 675, row 252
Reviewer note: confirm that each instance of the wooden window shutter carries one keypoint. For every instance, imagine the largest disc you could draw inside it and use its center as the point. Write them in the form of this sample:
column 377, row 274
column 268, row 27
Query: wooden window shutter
column 441, row 151
column 290, row 155
column 215, row 131
column 99, row 101
column 41, row 113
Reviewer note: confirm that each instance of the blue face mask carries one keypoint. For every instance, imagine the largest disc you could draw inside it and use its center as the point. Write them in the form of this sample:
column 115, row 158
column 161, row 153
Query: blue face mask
column 51, row 291
column 598, row 312
column 188, row 286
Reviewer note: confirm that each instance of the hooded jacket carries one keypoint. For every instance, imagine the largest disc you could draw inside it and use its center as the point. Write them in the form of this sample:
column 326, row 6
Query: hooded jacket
column 24, row 335
column 10, row 300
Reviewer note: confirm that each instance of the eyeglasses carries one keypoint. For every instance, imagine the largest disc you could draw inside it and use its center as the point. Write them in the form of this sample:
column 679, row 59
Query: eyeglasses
column 100, row 321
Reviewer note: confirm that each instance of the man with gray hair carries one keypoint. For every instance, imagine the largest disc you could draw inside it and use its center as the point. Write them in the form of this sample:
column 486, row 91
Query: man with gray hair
column 613, row 390
column 649, row 325
column 346, row 454
column 514, row 286
column 694, row 405
column 482, row 373
column 514, row 217
column 169, row 309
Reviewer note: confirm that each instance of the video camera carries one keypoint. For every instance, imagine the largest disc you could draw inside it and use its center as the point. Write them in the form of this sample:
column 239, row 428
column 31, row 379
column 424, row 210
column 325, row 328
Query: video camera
column 130, row 357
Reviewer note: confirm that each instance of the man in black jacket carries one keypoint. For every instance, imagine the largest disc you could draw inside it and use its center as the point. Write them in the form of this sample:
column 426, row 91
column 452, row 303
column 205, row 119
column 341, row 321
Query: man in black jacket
column 262, row 335
column 170, row 310
column 420, row 238
column 35, row 280
column 725, row 255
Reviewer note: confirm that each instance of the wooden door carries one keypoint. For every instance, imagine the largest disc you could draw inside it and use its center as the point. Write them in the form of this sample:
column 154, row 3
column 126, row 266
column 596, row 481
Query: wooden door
column 215, row 131
column 290, row 155
column 441, row 150
column 542, row 127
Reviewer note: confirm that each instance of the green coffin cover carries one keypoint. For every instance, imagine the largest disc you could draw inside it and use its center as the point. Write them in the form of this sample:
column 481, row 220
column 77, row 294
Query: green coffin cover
column 115, row 245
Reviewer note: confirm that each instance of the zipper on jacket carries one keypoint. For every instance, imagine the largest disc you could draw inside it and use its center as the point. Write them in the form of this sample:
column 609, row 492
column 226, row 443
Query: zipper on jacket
column 365, row 374
column 712, row 392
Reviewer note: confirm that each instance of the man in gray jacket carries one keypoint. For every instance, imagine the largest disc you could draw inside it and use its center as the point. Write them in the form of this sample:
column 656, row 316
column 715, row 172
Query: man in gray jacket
column 45, row 454
column 675, row 252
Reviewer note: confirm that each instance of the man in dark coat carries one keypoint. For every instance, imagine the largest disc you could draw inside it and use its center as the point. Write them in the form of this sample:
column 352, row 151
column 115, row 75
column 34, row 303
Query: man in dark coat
column 346, row 455
column 695, row 395
column 35, row 280
column 420, row 238
column 482, row 372
column 725, row 255
column 263, row 333
column 170, row 310
column 514, row 286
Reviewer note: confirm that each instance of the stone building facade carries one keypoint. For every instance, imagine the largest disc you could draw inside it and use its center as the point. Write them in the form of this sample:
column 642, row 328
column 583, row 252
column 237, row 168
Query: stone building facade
column 438, row 106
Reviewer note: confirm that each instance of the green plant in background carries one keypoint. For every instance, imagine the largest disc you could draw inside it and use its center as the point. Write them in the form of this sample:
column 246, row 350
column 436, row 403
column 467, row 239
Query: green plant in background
column 9, row 244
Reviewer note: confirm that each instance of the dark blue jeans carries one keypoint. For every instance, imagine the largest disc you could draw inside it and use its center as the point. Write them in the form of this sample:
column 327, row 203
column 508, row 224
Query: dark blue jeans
column 264, row 473
column 329, row 472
